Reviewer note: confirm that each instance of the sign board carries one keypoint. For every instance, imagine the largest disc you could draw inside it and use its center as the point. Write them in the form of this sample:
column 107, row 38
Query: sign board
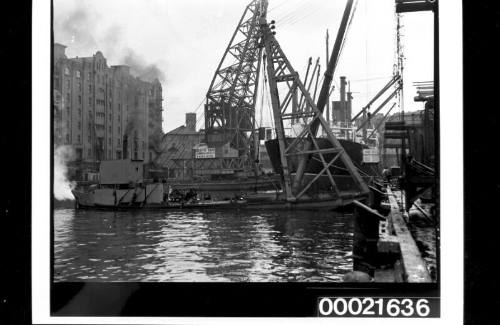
column 371, row 156
column 204, row 153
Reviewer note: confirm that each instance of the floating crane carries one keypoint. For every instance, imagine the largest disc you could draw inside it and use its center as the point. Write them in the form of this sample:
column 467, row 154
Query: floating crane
column 230, row 112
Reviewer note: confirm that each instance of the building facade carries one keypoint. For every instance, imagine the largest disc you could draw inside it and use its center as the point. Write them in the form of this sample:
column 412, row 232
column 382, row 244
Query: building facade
column 102, row 111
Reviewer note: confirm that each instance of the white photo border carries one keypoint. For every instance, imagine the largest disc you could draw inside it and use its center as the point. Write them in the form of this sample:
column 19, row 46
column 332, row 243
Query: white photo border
column 451, row 182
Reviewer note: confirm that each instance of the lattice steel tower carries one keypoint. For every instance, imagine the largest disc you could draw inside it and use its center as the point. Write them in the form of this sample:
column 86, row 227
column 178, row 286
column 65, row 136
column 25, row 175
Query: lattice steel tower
column 230, row 100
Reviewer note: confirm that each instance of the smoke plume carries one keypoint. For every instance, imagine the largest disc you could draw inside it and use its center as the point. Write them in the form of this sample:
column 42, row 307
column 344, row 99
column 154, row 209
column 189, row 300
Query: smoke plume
column 62, row 185
column 141, row 69
column 81, row 29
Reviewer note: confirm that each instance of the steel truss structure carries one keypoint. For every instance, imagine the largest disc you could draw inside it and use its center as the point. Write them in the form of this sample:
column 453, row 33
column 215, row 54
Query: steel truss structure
column 230, row 105
column 230, row 100
column 286, row 86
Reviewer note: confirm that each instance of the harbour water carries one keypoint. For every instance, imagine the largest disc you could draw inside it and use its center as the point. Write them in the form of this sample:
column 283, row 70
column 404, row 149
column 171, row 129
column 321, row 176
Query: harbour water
column 195, row 246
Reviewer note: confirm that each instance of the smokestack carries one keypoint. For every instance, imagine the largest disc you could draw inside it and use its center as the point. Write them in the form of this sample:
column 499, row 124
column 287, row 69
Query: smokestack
column 342, row 89
column 191, row 121
column 349, row 104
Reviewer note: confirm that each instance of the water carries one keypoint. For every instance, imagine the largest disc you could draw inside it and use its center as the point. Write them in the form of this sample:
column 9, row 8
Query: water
column 201, row 246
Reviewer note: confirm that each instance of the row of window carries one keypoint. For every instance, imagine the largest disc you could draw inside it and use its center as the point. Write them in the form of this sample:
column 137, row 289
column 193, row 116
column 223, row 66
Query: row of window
column 79, row 140
column 77, row 72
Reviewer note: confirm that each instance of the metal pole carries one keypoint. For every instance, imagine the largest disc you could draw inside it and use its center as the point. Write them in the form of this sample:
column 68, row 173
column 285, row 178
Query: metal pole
column 380, row 107
column 380, row 93
column 317, row 80
column 309, row 63
column 328, row 95
column 322, row 102
column 383, row 120
column 278, row 121
column 301, row 106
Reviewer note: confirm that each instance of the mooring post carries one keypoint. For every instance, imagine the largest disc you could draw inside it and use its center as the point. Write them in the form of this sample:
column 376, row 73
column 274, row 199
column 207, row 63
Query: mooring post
column 366, row 235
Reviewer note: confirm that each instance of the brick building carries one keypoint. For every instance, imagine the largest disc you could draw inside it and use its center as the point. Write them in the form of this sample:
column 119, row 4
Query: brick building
column 104, row 112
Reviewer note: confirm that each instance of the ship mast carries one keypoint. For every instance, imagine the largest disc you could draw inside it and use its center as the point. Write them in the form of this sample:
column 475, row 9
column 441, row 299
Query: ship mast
column 231, row 98
column 305, row 145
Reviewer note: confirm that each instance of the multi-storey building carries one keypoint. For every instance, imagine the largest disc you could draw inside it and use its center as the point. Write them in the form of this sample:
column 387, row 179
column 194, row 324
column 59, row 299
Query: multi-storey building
column 104, row 112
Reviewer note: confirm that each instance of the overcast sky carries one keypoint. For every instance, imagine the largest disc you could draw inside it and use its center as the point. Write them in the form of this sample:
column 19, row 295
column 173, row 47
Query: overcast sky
column 182, row 41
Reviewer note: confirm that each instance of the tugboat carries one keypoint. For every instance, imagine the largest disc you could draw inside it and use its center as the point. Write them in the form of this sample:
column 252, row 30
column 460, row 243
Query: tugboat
column 121, row 185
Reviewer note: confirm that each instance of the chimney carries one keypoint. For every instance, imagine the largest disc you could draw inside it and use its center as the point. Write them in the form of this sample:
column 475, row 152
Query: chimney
column 342, row 89
column 349, row 104
column 191, row 121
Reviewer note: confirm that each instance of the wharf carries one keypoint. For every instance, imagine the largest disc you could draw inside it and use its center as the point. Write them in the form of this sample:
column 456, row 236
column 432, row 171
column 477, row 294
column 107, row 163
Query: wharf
column 395, row 238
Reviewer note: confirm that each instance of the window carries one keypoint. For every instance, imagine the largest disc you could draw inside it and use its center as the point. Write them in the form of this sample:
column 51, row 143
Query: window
column 88, row 76
column 78, row 73
column 90, row 128
column 67, row 83
column 79, row 139
column 80, row 99
column 79, row 111
column 119, row 142
column 90, row 101
column 118, row 154
column 109, row 141
column 66, row 71
column 79, row 127
column 67, row 138
column 109, row 154
column 89, row 153
column 119, row 130
column 110, row 130
column 90, row 88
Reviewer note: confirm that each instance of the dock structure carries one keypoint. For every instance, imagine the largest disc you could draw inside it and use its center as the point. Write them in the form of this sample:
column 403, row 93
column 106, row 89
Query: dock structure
column 395, row 238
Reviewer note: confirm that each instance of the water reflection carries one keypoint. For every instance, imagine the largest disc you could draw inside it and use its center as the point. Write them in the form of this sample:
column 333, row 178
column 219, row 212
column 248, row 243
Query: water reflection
column 201, row 246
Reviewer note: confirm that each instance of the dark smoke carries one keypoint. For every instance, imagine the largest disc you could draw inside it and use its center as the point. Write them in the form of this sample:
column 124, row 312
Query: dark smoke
column 78, row 30
column 141, row 69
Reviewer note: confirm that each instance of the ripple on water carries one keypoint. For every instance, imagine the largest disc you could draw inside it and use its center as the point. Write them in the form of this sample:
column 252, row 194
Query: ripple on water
column 195, row 246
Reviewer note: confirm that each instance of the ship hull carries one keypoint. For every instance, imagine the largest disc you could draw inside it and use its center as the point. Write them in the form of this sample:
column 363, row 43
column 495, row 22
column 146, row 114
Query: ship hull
column 353, row 149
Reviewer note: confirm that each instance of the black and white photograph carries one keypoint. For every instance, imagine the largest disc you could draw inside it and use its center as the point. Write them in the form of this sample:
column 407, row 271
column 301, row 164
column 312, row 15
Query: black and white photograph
column 248, row 142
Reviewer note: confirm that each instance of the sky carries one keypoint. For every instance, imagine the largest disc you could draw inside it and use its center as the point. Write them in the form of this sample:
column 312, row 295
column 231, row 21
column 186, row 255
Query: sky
column 181, row 42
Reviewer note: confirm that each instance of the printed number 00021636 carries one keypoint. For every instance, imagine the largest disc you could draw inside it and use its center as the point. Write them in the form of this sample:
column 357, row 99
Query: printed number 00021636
column 374, row 307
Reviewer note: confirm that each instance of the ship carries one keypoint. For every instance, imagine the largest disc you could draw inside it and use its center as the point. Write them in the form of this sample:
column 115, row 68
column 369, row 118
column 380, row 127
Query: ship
column 317, row 171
